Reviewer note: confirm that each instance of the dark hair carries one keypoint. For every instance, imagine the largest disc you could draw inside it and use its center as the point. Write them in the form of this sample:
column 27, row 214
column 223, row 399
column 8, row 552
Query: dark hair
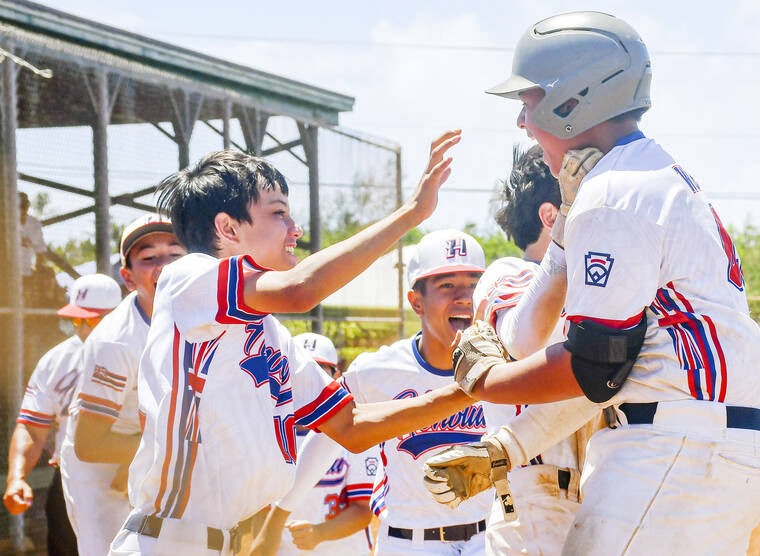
column 530, row 184
column 420, row 286
column 223, row 181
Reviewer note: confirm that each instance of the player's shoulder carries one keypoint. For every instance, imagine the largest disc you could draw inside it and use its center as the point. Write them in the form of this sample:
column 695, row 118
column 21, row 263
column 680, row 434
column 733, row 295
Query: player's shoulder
column 120, row 325
column 639, row 177
column 507, row 268
column 55, row 354
column 391, row 356
column 187, row 266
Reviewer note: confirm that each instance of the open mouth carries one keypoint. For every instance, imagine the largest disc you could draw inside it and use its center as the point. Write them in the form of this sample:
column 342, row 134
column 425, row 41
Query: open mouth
column 290, row 249
column 460, row 322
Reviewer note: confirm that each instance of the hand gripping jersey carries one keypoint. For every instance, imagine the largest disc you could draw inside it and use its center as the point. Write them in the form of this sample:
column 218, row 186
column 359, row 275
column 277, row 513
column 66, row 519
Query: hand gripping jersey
column 48, row 394
column 349, row 480
column 221, row 387
column 400, row 498
column 642, row 239
column 499, row 289
column 107, row 385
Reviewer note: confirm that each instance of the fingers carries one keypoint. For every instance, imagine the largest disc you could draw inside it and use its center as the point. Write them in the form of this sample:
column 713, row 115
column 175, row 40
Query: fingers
column 441, row 145
column 297, row 525
column 442, row 492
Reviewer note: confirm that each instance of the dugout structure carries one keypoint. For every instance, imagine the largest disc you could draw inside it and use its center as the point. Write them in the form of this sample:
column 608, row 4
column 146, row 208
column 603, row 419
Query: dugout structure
column 59, row 71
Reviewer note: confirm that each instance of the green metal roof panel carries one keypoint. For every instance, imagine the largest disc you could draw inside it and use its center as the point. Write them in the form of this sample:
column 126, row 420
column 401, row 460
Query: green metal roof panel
column 45, row 20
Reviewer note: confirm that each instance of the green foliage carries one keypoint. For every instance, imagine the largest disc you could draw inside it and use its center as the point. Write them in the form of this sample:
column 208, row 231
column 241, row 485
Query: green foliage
column 494, row 243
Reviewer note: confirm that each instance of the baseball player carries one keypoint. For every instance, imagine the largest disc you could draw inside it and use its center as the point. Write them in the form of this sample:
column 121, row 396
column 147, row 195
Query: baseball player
column 46, row 405
column 222, row 384
column 333, row 516
column 546, row 490
column 104, row 429
column 658, row 321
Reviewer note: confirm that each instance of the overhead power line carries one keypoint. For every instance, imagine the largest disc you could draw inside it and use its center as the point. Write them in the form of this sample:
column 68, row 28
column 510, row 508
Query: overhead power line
column 422, row 46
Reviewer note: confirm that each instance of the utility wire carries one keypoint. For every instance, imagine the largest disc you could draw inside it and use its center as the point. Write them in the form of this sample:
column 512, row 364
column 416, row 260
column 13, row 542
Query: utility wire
column 423, row 46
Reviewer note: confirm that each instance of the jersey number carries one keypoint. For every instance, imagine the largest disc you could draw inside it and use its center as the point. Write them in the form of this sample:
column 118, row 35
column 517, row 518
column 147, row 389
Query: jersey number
column 335, row 504
column 735, row 275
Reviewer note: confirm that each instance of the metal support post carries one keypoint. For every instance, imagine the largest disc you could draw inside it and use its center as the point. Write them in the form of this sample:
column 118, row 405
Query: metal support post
column 400, row 251
column 309, row 136
column 100, row 164
column 226, row 115
column 12, row 329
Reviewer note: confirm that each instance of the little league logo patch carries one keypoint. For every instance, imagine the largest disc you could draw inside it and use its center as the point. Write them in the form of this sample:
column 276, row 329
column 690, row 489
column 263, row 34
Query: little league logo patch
column 598, row 267
column 370, row 465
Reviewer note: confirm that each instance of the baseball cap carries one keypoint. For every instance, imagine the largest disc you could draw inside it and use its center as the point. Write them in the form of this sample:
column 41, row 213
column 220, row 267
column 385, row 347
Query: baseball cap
column 139, row 228
column 319, row 347
column 443, row 252
column 91, row 296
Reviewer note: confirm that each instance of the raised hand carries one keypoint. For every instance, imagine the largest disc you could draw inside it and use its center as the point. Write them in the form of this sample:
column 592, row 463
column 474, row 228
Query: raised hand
column 425, row 197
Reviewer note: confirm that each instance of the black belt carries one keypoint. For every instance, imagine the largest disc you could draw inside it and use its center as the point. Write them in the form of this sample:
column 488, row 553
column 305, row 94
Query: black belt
column 563, row 479
column 737, row 417
column 462, row 532
column 150, row 526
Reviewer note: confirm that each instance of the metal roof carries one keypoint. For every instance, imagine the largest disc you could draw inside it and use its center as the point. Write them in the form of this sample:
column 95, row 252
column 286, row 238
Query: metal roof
column 289, row 97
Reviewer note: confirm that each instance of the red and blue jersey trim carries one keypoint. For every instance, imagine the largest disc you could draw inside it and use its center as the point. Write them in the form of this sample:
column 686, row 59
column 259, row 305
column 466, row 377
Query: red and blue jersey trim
column 695, row 342
column 328, row 403
column 359, row 491
column 35, row 419
column 98, row 406
column 230, row 288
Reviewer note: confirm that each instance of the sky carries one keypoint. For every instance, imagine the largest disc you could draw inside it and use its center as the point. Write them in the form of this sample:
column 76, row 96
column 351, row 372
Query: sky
column 418, row 68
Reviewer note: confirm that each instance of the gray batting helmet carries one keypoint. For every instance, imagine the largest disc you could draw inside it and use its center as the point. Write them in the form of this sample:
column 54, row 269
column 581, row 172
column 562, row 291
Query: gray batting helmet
column 592, row 57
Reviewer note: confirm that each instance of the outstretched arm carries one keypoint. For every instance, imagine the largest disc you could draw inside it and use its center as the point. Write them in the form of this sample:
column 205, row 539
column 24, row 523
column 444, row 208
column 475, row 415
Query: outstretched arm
column 359, row 427
column 26, row 447
column 349, row 521
column 301, row 288
column 526, row 329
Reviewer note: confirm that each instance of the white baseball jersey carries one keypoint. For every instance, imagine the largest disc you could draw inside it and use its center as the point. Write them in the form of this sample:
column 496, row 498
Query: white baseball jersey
column 400, row 498
column 221, row 387
column 642, row 239
column 499, row 290
column 32, row 243
column 48, row 394
column 108, row 384
column 349, row 480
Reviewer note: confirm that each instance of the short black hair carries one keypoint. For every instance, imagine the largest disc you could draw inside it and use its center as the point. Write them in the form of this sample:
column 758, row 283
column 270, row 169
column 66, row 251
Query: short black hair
column 222, row 181
column 530, row 184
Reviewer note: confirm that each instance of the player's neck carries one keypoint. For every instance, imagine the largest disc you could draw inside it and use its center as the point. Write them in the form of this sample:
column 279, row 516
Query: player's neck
column 434, row 352
column 535, row 251
column 605, row 135
column 146, row 304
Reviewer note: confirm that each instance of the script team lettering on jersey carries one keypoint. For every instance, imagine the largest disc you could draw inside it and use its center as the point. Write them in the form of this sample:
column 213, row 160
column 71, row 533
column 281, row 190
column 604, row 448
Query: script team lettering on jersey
column 452, row 430
column 267, row 365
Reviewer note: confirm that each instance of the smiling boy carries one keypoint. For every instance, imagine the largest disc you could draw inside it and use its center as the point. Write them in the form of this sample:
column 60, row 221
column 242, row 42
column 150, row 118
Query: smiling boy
column 222, row 384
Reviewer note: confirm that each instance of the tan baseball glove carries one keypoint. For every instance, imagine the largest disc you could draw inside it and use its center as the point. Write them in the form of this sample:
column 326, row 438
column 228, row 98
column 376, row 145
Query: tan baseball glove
column 478, row 351
column 460, row 472
column 575, row 165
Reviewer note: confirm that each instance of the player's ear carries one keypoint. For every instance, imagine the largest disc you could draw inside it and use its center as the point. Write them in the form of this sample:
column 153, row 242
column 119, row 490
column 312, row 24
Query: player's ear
column 126, row 275
column 547, row 214
column 415, row 300
column 226, row 228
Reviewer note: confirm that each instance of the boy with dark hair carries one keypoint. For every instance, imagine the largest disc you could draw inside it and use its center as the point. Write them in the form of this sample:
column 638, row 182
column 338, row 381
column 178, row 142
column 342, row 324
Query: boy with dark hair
column 529, row 186
column 222, row 385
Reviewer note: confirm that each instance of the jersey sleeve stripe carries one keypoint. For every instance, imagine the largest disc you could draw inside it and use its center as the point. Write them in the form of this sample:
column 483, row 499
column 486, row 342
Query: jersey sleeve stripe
column 35, row 419
column 99, row 401
column 359, row 491
column 230, row 296
column 100, row 411
column 327, row 404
